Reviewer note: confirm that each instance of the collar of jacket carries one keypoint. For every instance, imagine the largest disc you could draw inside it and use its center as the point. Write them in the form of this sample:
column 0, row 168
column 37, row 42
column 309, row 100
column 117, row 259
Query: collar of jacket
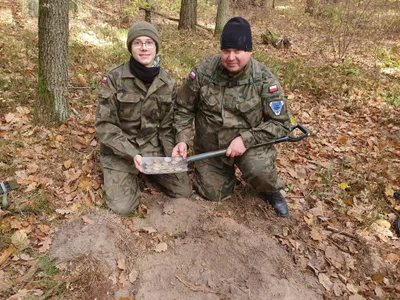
column 126, row 73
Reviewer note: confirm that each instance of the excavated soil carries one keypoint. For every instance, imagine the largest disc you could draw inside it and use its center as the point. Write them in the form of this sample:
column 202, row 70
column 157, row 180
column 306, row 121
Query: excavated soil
column 182, row 249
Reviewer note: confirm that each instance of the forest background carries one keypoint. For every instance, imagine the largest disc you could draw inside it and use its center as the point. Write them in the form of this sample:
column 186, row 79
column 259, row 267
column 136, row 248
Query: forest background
column 339, row 63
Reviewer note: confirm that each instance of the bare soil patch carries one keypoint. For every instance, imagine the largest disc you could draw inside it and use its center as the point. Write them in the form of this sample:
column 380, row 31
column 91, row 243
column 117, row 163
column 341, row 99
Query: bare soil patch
column 184, row 249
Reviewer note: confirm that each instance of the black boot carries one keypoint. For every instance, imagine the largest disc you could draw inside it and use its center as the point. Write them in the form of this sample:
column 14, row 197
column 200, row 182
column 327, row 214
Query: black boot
column 278, row 202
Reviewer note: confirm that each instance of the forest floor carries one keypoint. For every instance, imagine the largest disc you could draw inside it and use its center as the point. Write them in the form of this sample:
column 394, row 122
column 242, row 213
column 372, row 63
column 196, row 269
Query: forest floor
column 59, row 241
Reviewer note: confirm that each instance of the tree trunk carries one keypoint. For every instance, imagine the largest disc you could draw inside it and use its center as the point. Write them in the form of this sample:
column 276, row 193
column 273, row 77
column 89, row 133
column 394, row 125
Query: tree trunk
column 147, row 13
column 222, row 16
column 52, row 106
column 188, row 14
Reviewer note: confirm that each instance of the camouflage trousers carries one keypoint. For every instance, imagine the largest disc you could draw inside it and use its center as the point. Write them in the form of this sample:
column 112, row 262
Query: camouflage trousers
column 123, row 194
column 215, row 179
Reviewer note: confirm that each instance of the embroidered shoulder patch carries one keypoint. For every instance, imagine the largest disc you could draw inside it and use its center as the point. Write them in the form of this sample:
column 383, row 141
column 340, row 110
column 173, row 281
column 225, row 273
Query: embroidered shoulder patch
column 192, row 75
column 104, row 80
column 273, row 88
column 276, row 107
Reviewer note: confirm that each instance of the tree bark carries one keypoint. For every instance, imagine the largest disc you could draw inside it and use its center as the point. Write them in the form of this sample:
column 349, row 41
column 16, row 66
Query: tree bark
column 222, row 16
column 52, row 105
column 188, row 15
column 147, row 13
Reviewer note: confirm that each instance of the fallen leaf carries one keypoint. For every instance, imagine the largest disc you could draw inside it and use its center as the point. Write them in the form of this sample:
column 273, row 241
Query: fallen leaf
column 316, row 234
column 45, row 245
column 6, row 254
column 149, row 230
column 356, row 297
column 9, row 117
column 325, row 281
column 343, row 185
column 133, row 275
column 121, row 264
column 87, row 220
column 32, row 168
column 382, row 227
column 308, row 219
column 67, row 164
column 20, row 240
column 161, row 247
column 127, row 298
column 378, row 278
column 44, row 228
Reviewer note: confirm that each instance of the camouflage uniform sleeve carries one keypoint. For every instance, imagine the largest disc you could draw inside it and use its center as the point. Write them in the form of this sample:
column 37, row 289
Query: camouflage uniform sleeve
column 185, row 108
column 276, row 116
column 166, row 130
column 107, row 124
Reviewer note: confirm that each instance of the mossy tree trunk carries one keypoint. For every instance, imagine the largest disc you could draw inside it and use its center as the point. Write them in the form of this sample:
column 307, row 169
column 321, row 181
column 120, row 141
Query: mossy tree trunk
column 188, row 15
column 52, row 105
column 147, row 13
column 222, row 16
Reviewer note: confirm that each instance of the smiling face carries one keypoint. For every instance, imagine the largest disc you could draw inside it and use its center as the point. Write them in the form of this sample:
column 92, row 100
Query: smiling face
column 235, row 60
column 144, row 50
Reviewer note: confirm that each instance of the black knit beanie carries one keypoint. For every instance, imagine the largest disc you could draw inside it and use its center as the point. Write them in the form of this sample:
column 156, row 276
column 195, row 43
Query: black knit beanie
column 237, row 35
column 142, row 29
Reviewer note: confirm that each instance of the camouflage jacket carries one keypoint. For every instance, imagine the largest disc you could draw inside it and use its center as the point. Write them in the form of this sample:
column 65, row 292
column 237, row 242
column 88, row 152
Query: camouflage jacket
column 251, row 104
column 132, row 119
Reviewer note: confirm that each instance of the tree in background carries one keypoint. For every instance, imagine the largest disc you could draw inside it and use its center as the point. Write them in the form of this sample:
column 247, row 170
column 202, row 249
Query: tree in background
column 222, row 16
column 188, row 14
column 52, row 105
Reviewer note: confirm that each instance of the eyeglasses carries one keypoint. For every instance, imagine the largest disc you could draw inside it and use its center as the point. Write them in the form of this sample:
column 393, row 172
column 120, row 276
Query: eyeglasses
column 138, row 44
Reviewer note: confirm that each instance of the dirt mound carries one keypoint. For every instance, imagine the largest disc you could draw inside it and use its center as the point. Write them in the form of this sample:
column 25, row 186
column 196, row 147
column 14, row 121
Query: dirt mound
column 183, row 250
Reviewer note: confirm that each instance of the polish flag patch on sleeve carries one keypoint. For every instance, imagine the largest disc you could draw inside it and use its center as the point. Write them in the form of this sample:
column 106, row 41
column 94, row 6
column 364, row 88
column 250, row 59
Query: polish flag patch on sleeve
column 273, row 88
column 104, row 80
column 192, row 75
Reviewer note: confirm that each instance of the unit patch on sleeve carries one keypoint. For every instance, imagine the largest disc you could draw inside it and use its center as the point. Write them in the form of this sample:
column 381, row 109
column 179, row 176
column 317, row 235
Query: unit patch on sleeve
column 273, row 88
column 192, row 75
column 276, row 107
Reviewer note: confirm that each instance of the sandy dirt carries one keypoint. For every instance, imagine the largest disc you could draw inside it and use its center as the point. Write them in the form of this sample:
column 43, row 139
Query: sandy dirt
column 183, row 249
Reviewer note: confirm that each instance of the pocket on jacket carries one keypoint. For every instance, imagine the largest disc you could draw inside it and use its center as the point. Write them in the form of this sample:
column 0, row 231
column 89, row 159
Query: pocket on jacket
column 129, row 105
column 251, row 111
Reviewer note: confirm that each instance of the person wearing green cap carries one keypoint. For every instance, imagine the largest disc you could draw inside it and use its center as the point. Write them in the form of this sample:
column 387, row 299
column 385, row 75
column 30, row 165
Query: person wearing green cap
column 235, row 103
column 134, row 118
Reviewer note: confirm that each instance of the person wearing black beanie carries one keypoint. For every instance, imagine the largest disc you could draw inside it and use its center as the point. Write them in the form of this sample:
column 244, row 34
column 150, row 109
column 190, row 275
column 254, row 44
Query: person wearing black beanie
column 134, row 118
column 235, row 103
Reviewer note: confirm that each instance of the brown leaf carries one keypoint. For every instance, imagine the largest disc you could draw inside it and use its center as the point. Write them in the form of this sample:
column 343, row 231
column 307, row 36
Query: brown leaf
column 32, row 168
column 325, row 281
column 45, row 245
column 356, row 297
column 20, row 240
column 67, row 164
column 378, row 278
column 161, row 247
column 81, row 80
column 121, row 264
column 316, row 234
column 87, row 220
column 6, row 254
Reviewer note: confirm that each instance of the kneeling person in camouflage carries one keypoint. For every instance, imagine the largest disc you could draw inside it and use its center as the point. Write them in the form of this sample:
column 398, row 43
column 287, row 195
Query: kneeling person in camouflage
column 235, row 103
column 135, row 117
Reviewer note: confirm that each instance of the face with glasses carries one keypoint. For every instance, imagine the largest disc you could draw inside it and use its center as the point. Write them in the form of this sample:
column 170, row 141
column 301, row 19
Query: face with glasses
column 144, row 50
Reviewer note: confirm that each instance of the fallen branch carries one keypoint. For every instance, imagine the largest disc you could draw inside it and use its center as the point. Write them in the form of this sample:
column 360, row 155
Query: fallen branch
column 343, row 233
column 196, row 289
column 173, row 19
